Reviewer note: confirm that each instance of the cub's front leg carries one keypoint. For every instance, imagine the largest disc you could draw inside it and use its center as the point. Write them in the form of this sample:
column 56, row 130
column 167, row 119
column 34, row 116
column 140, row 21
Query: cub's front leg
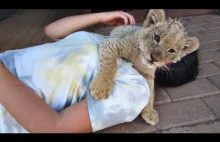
column 149, row 114
column 103, row 83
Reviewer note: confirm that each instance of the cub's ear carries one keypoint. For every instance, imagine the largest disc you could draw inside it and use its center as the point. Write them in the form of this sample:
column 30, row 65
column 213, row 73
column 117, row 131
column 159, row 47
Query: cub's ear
column 191, row 45
column 153, row 17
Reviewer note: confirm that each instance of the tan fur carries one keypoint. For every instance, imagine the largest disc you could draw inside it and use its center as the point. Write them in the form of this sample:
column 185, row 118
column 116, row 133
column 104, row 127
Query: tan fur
column 139, row 45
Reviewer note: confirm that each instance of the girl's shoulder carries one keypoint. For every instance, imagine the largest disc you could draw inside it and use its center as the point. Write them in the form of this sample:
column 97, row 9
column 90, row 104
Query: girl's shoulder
column 86, row 36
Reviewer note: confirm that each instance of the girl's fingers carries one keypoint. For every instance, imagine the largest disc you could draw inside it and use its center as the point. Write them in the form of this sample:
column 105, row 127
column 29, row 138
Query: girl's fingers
column 124, row 17
column 131, row 18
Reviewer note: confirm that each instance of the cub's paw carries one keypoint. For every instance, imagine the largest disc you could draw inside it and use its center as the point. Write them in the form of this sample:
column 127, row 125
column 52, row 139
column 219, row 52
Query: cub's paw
column 100, row 88
column 150, row 115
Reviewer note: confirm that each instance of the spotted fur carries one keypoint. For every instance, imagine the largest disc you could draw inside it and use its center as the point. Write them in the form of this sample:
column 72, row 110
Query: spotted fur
column 157, row 42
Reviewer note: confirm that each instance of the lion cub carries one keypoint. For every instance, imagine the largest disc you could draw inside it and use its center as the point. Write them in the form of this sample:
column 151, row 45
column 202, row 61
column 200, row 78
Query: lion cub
column 157, row 42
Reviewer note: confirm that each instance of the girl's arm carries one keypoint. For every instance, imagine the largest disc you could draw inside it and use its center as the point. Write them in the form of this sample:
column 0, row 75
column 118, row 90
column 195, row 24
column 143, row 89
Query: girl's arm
column 34, row 114
column 29, row 109
column 63, row 27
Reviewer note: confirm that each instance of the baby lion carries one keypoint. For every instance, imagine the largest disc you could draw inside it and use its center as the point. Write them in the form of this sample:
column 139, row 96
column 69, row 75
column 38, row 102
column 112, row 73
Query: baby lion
column 158, row 42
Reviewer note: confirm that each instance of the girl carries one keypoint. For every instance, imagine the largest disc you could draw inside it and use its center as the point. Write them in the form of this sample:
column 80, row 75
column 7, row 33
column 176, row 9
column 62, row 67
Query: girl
column 44, row 89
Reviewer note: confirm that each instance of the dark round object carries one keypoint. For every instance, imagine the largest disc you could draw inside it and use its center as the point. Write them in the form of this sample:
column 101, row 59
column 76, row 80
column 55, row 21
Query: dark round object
column 179, row 73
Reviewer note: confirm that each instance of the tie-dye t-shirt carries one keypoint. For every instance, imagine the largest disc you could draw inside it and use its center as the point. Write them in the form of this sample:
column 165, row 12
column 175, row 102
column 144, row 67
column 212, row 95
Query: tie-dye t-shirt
column 61, row 72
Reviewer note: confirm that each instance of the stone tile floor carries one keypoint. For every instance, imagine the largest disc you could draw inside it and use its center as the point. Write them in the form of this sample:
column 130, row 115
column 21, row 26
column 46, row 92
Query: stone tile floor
column 195, row 103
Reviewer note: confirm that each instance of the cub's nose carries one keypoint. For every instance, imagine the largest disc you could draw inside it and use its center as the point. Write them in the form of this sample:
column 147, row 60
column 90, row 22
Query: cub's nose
column 156, row 56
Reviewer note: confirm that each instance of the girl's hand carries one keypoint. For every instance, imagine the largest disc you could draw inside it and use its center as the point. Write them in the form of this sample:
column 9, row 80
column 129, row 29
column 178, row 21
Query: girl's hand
column 117, row 18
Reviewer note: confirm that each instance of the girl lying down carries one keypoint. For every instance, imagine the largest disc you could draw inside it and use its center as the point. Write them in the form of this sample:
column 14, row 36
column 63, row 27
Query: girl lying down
column 45, row 88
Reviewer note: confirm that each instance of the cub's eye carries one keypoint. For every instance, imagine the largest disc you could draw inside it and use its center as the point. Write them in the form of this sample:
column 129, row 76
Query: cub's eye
column 171, row 51
column 157, row 38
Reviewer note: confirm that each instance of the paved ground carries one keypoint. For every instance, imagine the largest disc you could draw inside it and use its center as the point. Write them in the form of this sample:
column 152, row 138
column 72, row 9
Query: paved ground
column 213, row 127
column 190, row 107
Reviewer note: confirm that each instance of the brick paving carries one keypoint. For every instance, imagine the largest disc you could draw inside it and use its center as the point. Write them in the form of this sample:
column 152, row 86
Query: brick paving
column 194, row 103
column 183, row 113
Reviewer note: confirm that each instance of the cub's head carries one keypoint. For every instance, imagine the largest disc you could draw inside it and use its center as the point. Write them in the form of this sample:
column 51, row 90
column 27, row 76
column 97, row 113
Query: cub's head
column 164, row 40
